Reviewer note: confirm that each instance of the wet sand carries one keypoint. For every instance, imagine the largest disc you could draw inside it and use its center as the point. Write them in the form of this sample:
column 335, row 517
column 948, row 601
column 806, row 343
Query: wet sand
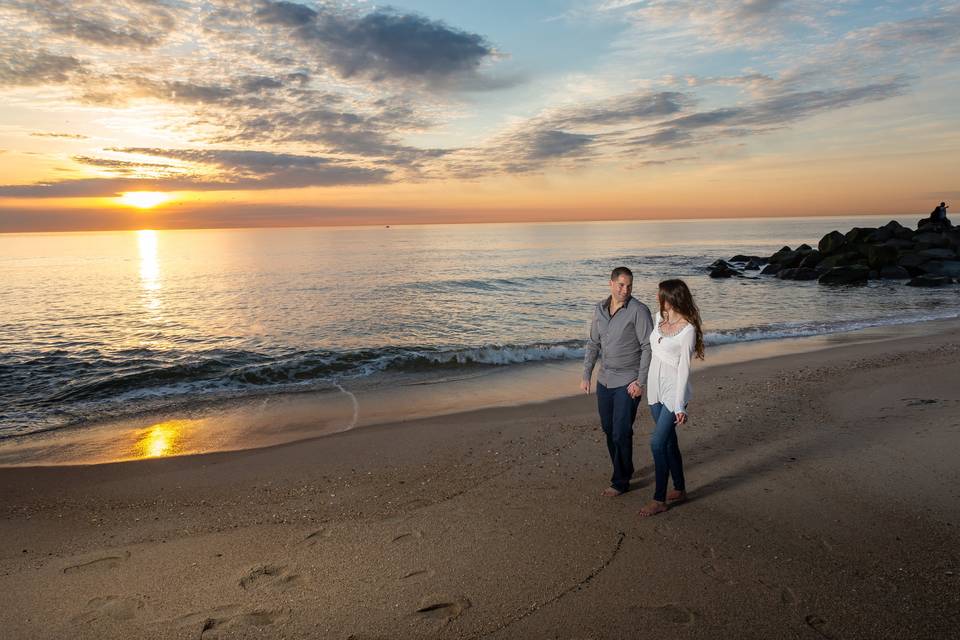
column 825, row 503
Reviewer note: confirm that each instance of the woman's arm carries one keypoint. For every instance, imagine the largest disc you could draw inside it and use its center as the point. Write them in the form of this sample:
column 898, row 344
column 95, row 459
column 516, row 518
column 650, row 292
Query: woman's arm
column 687, row 345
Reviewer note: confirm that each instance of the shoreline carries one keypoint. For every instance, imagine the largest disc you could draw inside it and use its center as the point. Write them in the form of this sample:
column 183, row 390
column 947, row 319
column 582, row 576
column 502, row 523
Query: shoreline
column 276, row 419
column 823, row 492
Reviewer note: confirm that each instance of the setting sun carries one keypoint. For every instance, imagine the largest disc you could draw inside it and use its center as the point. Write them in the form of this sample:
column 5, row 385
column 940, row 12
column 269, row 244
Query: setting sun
column 143, row 199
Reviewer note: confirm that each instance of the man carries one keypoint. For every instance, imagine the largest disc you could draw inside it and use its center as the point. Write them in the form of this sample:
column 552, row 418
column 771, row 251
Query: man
column 620, row 336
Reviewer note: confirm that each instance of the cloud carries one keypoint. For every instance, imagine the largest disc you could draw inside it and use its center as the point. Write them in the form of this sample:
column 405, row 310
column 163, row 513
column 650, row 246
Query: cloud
column 386, row 45
column 722, row 23
column 120, row 166
column 936, row 33
column 72, row 136
column 114, row 24
column 552, row 143
column 217, row 170
column 623, row 126
column 288, row 14
column 664, row 161
column 27, row 68
column 621, row 109
column 763, row 115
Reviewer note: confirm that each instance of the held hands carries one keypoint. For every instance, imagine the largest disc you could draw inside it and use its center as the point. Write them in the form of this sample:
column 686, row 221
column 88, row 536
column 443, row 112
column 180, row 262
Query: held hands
column 681, row 418
column 635, row 390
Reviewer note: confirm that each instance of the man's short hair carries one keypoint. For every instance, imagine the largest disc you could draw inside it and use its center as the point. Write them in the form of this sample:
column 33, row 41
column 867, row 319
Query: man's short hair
column 620, row 271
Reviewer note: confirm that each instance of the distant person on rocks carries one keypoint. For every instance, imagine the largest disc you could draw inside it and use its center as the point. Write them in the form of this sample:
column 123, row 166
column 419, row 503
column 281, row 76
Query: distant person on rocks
column 620, row 339
column 939, row 213
column 677, row 335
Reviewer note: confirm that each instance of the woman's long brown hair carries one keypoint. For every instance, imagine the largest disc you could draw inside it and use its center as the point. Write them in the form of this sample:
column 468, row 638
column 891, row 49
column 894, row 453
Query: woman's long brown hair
column 678, row 295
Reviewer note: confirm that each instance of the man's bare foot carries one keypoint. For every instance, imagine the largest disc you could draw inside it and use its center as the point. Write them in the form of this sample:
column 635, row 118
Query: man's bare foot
column 610, row 492
column 676, row 496
column 653, row 508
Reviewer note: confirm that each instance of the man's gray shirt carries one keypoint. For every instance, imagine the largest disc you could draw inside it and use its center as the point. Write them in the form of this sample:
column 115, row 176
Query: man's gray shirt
column 621, row 342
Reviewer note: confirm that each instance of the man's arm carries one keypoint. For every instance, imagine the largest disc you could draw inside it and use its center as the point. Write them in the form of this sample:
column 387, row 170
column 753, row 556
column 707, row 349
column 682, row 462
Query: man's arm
column 592, row 352
column 644, row 326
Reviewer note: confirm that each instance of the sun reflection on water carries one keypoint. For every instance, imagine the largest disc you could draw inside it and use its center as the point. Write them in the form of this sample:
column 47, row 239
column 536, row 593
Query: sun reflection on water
column 163, row 439
column 149, row 264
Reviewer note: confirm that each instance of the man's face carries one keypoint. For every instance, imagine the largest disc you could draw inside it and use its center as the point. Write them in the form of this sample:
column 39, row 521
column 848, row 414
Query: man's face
column 621, row 287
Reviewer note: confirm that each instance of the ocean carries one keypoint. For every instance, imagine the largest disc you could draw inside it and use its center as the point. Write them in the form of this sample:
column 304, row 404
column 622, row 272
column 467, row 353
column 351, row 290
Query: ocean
column 111, row 325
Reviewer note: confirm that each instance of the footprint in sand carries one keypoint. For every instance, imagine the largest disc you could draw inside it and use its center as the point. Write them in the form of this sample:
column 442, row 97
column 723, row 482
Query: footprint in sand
column 407, row 537
column 215, row 623
column 258, row 618
column 442, row 609
column 110, row 607
column 419, row 574
column 316, row 536
column 711, row 571
column 97, row 562
column 787, row 595
column 671, row 613
column 881, row 584
column 270, row 576
column 824, row 544
column 201, row 617
column 819, row 625
column 706, row 551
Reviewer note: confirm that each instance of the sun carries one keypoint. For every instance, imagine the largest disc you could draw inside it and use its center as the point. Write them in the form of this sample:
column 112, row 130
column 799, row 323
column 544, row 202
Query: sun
column 143, row 199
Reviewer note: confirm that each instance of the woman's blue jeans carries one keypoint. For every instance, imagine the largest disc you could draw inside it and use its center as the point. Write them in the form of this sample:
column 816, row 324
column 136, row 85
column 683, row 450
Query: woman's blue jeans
column 667, row 460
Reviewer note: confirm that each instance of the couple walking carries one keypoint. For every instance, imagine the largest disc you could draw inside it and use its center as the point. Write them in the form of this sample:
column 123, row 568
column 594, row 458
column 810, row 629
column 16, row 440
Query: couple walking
column 637, row 351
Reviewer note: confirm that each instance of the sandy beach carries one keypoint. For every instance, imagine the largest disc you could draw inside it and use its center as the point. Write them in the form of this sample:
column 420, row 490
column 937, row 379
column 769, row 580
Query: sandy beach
column 825, row 503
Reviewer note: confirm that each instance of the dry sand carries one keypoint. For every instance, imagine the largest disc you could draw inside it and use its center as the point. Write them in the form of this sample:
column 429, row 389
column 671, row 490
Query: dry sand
column 825, row 503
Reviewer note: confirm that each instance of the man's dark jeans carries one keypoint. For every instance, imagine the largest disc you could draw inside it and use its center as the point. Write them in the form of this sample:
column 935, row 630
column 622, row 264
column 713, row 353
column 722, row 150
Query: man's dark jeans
column 617, row 413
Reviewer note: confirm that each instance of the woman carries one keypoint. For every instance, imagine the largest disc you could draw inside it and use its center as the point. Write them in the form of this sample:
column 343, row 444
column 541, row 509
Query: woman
column 676, row 336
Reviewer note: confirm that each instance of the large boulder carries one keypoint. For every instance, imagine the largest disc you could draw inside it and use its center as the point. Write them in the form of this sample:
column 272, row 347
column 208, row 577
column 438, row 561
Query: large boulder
column 898, row 244
column 913, row 263
column 880, row 235
column 937, row 226
column 859, row 235
column 879, row 256
column 811, row 259
column 799, row 273
column 932, row 239
column 954, row 237
column 949, row 268
column 722, row 269
column 771, row 269
column 831, row 243
column 904, row 234
column 861, row 248
column 853, row 274
column 838, row 260
column 927, row 280
column 894, row 272
column 753, row 265
column 782, row 255
column 910, row 260
column 744, row 258
column 938, row 254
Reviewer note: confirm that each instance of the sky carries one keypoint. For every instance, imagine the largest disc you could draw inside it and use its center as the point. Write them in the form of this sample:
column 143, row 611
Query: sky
column 234, row 113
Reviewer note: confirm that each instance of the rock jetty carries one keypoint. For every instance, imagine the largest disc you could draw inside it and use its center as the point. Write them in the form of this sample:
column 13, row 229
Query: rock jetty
column 923, row 257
